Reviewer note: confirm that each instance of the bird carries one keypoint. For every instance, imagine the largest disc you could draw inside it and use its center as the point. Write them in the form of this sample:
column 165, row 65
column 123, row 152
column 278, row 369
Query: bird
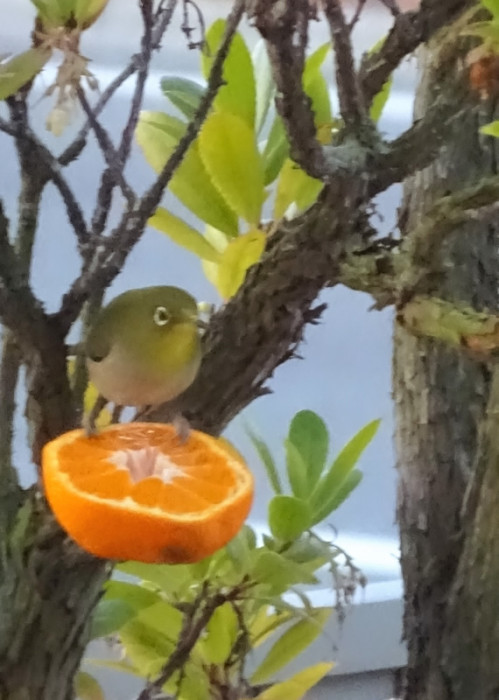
column 143, row 349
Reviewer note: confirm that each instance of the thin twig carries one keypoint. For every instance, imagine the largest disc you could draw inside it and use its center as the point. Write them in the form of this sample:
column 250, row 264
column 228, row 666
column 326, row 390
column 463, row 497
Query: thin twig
column 284, row 28
column 116, row 159
column 409, row 30
column 195, row 621
column 113, row 161
column 53, row 172
column 351, row 107
column 112, row 254
column 356, row 15
column 163, row 18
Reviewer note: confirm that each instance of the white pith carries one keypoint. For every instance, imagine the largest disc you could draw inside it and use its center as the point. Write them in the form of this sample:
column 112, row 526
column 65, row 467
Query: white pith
column 147, row 461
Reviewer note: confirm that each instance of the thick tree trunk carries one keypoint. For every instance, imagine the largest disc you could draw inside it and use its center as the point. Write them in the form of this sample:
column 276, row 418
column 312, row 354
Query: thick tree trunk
column 440, row 403
column 48, row 588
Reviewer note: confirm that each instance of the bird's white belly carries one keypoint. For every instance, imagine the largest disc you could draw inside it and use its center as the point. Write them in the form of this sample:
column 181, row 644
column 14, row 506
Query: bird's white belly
column 125, row 384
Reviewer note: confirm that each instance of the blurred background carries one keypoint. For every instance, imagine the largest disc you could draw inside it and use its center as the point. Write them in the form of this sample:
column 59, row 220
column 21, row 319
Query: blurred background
column 345, row 373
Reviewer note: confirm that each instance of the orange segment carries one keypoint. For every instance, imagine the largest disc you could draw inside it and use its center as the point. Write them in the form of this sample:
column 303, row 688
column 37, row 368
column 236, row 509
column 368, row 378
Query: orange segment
column 135, row 491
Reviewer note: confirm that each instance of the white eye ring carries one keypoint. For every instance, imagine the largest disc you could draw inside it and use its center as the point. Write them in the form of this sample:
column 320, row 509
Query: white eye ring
column 161, row 316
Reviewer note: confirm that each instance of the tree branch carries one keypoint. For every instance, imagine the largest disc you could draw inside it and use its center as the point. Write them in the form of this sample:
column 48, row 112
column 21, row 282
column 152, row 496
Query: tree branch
column 351, row 107
column 111, row 256
column 162, row 20
column 409, row 30
column 194, row 623
column 284, row 28
column 48, row 163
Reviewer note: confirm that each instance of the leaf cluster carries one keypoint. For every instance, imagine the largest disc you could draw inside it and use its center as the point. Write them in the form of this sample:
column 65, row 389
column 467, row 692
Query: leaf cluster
column 252, row 593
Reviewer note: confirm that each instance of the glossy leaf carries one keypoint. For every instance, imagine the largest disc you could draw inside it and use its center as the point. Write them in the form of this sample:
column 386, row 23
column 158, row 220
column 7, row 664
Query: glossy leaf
column 295, row 186
column 184, row 235
column 162, row 617
column 168, row 578
column 380, row 99
column 290, row 644
column 267, row 460
column 309, row 435
column 132, row 594
column 146, row 647
column 230, row 156
column 237, row 96
column 492, row 6
column 316, row 86
column 109, row 616
column 87, row 687
column 484, row 30
column 265, row 623
column 275, row 152
column 338, row 496
column 265, row 86
column 298, row 685
column 297, row 470
column 20, row 69
column 185, row 94
column 240, row 254
column 288, row 517
column 221, row 633
column 341, row 468
column 491, row 129
column 158, row 135
column 278, row 573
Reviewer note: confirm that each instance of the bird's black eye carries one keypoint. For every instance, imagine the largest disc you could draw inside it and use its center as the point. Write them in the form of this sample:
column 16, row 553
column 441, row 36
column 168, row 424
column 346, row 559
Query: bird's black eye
column 161, row 316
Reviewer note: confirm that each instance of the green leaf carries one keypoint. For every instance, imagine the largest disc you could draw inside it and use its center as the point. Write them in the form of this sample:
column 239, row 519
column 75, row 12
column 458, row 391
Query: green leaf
column 339, row 495
column 265, row 623
column 163, row 618
column 183, row 93
column 265, row 86
column 240, row 254
column 297, row 470
column 87, row 687
column 308, row 549
column 133, row 594
column 183, row 234
column 279, row 573
column 290, row 644
column 309, row 435
column 110, row 616
column 344, row 463
column 288, row 517
column 229, row 153
column 492, row 6
column 275, row 152
column 267, row 459
column 295, row 186
column 296, row 686
column 316, row 86
column 484, row 30
column 237, row 95
column 491, row 129
column 20, row 69
column 221, row 633
column 158, row 135
column 146, row 648
column 380, row 100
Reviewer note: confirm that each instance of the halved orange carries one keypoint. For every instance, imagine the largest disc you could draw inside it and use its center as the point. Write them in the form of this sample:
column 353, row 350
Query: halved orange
column 136, row 491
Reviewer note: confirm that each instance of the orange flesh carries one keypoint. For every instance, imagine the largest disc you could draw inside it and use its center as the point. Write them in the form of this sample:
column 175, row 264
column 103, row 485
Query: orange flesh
column 136, row 492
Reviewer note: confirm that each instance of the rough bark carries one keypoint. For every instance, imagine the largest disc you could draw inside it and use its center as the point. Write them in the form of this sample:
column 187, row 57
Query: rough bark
column 440, row 402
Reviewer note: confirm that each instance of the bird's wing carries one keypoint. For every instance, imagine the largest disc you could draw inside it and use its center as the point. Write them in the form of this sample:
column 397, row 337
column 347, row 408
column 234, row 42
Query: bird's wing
column 98, row 345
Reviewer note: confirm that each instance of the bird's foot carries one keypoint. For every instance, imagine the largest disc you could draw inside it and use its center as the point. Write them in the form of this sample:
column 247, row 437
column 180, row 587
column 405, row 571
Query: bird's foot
column 89, row 420
column 182, row 427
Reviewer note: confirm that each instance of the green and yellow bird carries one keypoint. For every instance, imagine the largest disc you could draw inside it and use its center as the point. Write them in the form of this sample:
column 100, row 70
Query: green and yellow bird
column 145, row 346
